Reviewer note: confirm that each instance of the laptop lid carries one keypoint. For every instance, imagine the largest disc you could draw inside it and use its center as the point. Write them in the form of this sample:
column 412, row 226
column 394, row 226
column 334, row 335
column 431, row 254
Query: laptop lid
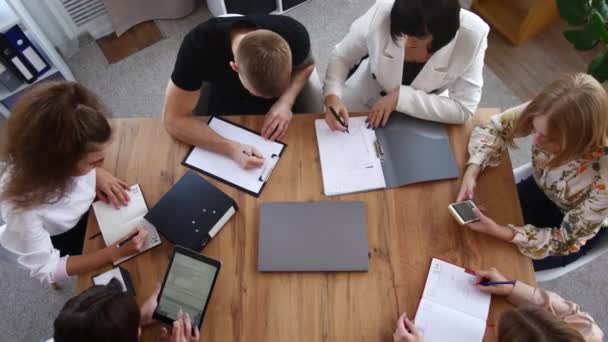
column 313, row 237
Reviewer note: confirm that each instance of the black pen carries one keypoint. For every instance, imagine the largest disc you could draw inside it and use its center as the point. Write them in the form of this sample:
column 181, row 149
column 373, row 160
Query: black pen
column 120, row 244
column 250, row 154
column 340, row 120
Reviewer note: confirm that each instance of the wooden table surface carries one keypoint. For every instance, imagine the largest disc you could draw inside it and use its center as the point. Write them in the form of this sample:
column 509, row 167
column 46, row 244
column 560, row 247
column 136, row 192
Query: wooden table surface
column 406, row 228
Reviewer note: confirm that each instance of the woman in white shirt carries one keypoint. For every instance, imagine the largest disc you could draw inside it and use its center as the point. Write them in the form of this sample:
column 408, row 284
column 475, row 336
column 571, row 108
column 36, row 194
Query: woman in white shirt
column 54, row 144
column 410, row 52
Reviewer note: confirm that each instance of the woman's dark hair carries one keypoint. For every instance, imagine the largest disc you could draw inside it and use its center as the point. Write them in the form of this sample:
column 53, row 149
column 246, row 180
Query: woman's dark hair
column 417, row 18
column 99, row 314
column 534, row 324
column 50, row 130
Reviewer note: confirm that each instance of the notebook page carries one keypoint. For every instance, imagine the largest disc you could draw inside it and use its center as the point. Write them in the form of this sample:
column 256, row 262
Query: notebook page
column 112, row 221
column 437, row 323
column 452, row 287
column 227, row 169
column 348, row 160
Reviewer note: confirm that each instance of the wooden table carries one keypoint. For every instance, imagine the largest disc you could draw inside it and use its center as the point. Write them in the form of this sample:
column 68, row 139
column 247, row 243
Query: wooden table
column 406, row 228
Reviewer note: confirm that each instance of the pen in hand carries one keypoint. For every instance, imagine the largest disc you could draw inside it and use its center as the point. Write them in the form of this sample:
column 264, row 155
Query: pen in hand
column 124, row 242
column 251, row 154
column 340, row 120
column 489, row 283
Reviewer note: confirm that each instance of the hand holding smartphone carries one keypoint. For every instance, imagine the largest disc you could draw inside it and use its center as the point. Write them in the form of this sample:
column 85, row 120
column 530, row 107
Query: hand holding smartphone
column 463, row 212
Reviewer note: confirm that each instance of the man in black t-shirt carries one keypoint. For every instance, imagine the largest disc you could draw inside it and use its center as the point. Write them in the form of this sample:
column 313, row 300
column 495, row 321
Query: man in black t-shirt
column 255, row 64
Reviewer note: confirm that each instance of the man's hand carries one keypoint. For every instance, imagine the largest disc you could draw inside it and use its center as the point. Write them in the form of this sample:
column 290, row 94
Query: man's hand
column 382, row 109
column 111, row 189
column 334, row 102
column 277, row 121
column 248, row 157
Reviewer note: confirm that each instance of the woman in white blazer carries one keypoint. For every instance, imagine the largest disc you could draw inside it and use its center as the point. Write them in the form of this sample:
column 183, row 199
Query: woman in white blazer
column 420, row 57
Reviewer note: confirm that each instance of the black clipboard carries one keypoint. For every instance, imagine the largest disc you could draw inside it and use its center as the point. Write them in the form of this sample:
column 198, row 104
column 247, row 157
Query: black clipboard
column 220, row 178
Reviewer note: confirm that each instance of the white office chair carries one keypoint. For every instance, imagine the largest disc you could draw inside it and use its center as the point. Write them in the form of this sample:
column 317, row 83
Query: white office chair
column 521, row 173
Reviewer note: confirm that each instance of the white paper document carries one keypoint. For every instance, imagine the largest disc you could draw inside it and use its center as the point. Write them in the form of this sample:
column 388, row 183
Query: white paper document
column 116, row 224
column 106, row 277
column 228, row 170
column 349, row 162
column 452, row 308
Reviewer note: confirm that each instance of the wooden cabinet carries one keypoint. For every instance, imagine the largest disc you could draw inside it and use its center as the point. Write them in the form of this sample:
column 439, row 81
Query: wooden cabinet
column 518, row 20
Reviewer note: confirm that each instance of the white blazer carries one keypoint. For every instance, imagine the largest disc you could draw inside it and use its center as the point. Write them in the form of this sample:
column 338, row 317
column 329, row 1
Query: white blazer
column 456, row 67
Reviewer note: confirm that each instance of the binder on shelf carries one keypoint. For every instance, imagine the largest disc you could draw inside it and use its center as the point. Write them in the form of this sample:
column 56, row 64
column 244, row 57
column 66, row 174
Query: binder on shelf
column 15, row 61
column 8, row 79
column 24, row 46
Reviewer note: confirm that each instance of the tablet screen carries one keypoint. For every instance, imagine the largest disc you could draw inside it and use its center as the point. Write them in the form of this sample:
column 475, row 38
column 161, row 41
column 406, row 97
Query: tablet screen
column 188, row 285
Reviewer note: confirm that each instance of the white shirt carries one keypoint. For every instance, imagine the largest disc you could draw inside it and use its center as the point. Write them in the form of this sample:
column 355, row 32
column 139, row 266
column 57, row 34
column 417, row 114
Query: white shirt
column 456, row 68
column 27, row 233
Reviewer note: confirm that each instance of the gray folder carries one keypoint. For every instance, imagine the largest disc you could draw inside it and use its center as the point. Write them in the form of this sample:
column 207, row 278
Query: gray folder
column 312, row 237
column 414, row 151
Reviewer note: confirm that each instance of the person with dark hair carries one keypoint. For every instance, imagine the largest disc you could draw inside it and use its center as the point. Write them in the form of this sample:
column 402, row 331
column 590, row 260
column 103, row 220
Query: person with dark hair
column 423, row 58
column 539, row 315
column 51, row 155
column 106, row 313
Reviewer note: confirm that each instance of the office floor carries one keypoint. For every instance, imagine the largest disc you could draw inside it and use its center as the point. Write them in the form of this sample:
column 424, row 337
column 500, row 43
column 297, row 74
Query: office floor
column 135, row 87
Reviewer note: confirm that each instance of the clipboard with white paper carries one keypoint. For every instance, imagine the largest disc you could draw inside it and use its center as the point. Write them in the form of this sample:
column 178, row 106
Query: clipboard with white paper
column 227, row 170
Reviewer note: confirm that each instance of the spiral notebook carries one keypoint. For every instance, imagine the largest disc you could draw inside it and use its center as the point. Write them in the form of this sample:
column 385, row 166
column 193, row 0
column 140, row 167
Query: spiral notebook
column 227, row 170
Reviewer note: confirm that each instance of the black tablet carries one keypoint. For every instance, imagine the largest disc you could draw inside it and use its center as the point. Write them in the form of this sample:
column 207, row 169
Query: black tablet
column 188, row 285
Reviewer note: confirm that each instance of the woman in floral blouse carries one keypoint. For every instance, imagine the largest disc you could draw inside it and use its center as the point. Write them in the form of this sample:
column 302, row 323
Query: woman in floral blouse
column 565, row 203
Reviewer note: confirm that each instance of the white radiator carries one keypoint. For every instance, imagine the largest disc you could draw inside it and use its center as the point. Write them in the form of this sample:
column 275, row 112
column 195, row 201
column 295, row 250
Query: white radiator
column 82, row 16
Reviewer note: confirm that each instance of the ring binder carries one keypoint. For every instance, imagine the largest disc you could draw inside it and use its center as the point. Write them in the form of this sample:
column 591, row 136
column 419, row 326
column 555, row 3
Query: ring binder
column 379, row 150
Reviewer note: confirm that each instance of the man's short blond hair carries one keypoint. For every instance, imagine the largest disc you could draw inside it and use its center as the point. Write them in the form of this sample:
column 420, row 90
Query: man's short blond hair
column 264, row 59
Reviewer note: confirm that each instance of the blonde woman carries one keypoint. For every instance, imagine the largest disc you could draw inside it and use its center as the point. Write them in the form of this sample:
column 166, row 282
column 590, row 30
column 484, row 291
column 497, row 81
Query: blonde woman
column 565, row 203
column 539, row 315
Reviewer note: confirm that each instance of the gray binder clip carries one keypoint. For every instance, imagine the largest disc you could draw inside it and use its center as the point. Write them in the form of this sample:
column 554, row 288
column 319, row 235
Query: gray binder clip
column 379, row 151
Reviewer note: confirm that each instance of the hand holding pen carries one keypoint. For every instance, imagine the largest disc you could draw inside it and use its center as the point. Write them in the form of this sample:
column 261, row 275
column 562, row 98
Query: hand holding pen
column 248, row 157
column 491, row 281
column 336, row 114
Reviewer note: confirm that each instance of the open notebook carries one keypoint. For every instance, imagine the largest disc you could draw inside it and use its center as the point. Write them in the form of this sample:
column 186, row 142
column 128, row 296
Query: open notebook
column 116, row 224
column 452, row 308
column 406, row 151
column 227, row 170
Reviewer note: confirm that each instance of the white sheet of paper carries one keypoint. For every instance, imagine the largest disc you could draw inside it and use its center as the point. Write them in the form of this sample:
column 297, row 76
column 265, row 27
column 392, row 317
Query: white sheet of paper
column 348, row 160
column 452, row 308
column 106, row 277
column 115, row 224
column 439, row 323
column 226, row 168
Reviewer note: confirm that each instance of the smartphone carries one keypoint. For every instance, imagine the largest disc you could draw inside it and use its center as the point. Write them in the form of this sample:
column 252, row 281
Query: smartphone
column 463, row 211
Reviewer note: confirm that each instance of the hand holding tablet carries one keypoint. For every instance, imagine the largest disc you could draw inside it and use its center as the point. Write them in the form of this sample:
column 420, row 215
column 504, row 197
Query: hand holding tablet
column 187, row 287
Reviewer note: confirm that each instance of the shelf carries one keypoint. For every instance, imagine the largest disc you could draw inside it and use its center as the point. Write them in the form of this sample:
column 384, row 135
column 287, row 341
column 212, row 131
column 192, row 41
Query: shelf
column 8, row 18
column 4, row 94
column 518, row 20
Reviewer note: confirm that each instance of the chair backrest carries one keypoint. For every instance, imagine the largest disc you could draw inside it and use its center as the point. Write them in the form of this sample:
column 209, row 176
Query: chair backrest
column 554, row 273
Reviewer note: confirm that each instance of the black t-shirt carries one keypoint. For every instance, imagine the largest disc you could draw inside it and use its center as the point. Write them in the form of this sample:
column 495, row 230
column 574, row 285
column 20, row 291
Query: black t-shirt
column 206, row 53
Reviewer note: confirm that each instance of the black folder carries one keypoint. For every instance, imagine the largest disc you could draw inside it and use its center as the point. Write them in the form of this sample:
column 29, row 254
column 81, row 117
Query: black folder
column 192, row 212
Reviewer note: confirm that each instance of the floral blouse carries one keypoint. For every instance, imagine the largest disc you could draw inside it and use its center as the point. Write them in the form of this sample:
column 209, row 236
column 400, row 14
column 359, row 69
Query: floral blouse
column 578, row 188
